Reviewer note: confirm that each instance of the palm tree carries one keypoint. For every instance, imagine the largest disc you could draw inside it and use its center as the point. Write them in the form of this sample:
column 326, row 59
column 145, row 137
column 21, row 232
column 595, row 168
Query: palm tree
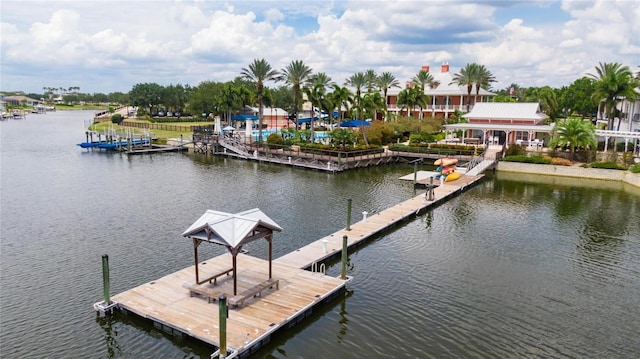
column 341, row 96
column 574, row 133
column 296, row 74
column 260, row 71
column 424, row 79
column 358, row 81
column 373, row 101
column 614, row 83
column 484, row 78
column 316, row 94
column 371, row 80
column 466, row 77
column 385, row 82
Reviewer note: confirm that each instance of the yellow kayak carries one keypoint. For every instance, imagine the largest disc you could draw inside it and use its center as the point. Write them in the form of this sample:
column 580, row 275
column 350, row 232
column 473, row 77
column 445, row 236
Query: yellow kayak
column 452, row 176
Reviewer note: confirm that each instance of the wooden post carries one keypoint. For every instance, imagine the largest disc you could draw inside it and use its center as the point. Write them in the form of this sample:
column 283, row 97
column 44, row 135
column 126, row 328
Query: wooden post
column 105, row 279
column 223, row 314
column 431, row 189
column 349, row 214
column 415, row 172
column 343, row 271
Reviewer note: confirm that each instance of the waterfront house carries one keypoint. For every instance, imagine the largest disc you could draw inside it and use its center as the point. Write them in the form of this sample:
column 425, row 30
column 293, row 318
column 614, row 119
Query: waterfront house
column 445, row 98
column 504, row 123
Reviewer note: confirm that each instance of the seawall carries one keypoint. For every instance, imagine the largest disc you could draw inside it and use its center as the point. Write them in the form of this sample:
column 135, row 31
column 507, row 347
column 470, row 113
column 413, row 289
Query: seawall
column 570, row 171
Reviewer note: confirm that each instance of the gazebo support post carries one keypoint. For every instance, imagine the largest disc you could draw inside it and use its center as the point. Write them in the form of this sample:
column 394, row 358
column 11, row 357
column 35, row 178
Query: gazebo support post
column 234, row 253
column 196, row 243
column 269, row 239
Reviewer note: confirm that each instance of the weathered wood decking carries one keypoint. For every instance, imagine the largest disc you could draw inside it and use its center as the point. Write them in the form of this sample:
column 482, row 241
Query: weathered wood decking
column 169, row 303
column 373, row 224
column 166, row 302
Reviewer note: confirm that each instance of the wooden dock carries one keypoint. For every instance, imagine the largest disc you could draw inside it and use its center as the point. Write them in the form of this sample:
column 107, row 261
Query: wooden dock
column 375, row 223
column 169, row 304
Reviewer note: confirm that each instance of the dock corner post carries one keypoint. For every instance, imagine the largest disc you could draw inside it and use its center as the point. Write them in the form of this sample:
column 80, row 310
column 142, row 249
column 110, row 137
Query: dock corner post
column 431, row 189
column 223, row 314
column 349, row 201
column 105, row 279
column 343, row 271
column 415, row 172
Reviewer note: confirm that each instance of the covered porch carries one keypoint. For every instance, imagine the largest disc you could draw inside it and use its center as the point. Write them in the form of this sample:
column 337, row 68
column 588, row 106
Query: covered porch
column 532, row 136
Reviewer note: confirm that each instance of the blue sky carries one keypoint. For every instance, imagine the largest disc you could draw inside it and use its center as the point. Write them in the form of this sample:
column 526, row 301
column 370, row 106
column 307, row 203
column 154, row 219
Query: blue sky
column 108, row 46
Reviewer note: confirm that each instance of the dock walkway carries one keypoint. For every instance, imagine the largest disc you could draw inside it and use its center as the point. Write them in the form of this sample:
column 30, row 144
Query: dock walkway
column 315, row 252
column 173, row 307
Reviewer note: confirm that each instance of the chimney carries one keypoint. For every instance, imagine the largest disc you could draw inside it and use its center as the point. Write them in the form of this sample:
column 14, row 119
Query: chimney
column 445, row 67
column 425, row 68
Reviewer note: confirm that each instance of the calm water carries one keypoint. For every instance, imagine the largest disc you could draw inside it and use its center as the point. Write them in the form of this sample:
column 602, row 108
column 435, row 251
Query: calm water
column 518, row 266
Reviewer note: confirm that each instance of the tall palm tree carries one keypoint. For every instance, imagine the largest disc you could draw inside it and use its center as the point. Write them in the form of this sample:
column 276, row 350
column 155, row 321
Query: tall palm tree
column 316, row 92
column 613, row 83
column 484, row 78
column 466, row 77
column 341, row 96
column 575, row 133
column 386, row 81
column 373, row 101
column 423, row 79
column 371, row 80
column 295, row 75
column 358, row 81
column 260, row 71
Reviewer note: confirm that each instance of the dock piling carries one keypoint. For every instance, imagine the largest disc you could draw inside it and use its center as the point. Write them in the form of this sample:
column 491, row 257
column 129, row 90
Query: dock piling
column 349, row 214
column 343, row 271
column 105, row 279
column 223, row 314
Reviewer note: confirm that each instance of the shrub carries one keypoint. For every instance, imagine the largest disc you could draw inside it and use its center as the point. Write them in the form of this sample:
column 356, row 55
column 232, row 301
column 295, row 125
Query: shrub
column 275, row 139
column 635, row 168
column 526, row 159
column 116, row 118
column 515, row 150
column 609, row 165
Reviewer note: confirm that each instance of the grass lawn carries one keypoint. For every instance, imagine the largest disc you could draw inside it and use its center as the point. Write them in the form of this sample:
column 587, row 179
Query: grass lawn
column 161, row 135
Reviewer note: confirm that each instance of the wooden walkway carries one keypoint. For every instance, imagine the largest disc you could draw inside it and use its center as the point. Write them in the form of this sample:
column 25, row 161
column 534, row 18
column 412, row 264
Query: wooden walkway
column 314, row 252
column 169, row 304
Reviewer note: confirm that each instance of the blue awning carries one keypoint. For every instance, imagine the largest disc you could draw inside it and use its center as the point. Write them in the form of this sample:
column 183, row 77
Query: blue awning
column 355, row 123
column 243, row 117
column 306, row 119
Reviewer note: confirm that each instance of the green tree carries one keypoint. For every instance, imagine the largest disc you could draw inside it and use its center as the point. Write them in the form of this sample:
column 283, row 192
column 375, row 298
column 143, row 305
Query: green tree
column 579, row 99
column 316, row 92
column 424, row 79
column 258, row 72
column 483, row 78
column 358, row 81
column 296, row 74
column 574, row 133
column 386, row 81
column 148, row 95
column 613, row 83
column 340, row 96
column 466, row 77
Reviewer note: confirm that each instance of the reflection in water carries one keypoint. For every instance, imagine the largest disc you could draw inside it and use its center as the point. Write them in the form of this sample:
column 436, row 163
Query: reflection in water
column 344, row 321
column 110, row 333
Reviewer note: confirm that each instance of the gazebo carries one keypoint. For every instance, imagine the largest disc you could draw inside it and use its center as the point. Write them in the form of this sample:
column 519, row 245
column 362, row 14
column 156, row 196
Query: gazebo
column 232, row 231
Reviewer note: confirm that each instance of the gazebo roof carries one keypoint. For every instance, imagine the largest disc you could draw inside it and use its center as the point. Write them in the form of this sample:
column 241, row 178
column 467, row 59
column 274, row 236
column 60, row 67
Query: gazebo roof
column 232, row 230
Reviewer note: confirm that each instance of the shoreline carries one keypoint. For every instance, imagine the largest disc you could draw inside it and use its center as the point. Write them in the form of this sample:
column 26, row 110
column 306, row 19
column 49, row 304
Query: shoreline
column 627, row 177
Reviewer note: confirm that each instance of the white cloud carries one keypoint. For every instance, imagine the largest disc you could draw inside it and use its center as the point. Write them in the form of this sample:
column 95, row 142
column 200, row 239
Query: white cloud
column 194, row 41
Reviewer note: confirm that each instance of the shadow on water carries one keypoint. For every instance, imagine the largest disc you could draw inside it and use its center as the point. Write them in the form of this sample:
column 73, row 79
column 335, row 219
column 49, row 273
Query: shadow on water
column 120, row 337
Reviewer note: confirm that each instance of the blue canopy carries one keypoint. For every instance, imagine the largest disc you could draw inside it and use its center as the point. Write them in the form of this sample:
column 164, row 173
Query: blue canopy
column 243, row 117
column 355, row 123
column 306, row 119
